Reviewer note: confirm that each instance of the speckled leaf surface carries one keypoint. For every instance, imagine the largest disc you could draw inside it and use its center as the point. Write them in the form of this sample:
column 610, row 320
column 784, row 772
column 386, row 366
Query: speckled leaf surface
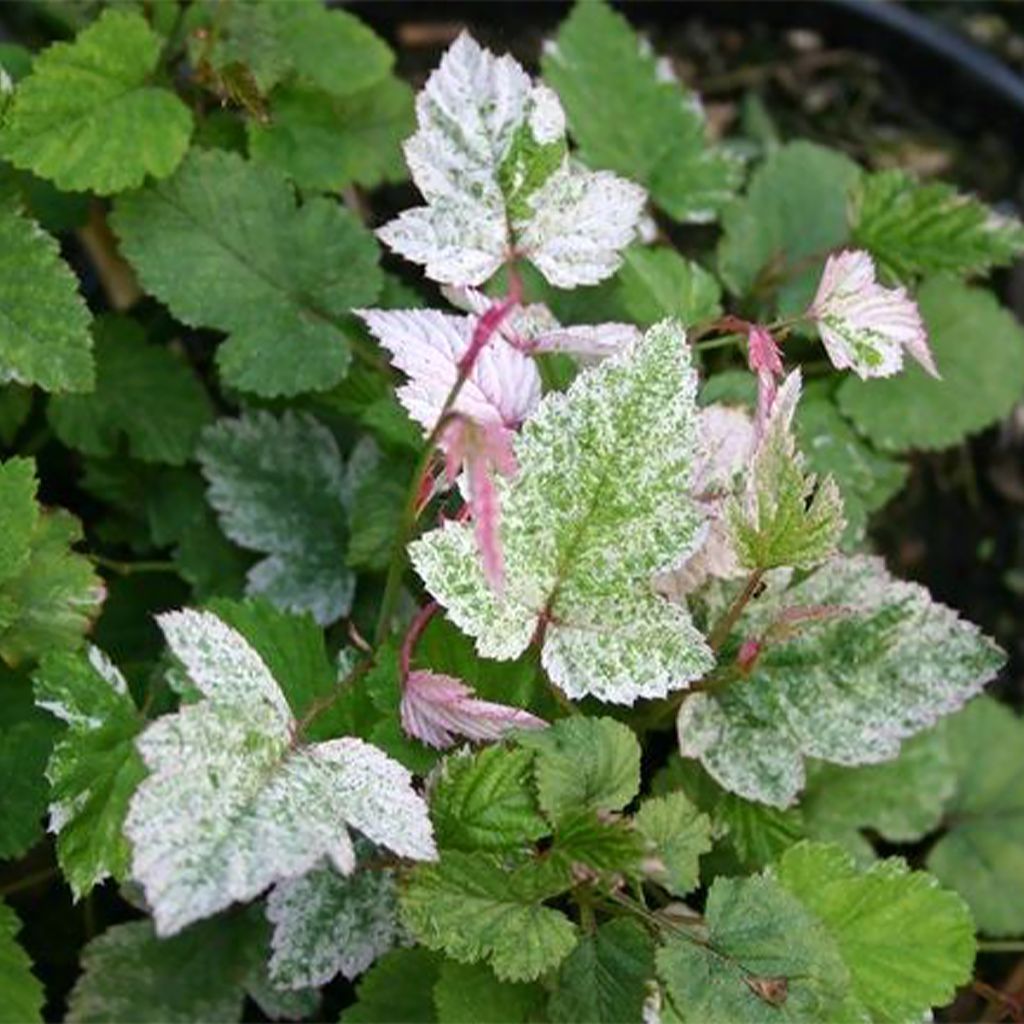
column 848, row 689
column 89, row 118
column 286, row 275
column 490, row 159
column 234, row 804
column 326, row 923
column 278, row 486
column 600, row 504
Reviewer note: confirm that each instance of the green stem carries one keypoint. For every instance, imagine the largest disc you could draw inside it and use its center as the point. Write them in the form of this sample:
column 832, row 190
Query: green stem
column 1012, row 946
column 132, row 568
column 725, row 625
column 28, row 882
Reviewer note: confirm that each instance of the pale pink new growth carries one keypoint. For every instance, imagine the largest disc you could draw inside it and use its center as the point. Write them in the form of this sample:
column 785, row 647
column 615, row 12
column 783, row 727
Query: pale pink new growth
column 865, row 326
column 533, row 329
column 481, row 449
column 438, row 708
column 764, row 358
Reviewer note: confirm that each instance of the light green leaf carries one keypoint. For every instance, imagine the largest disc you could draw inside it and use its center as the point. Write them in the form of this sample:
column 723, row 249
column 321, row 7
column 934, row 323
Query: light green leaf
column 677, row 835
column 89, row 118
column 48, row 594
column 503, row 181
column 917, row 229
column 146, row 400
column 278, row 486
column 847, row 688
column 982, row 853
column 598, row 843
column 979, row 349
column 866, row 480
column 398, row 987
column 585, row 764
column 44, row 323
column 327, row 142
column 785, row 516
column 901, row 800
column 236, row 801
column 770, row 240
column 286, row 276
column 473, row 908
column 599, row 505
column 94, row 769
column 22, row 1001
column 655, row 283
column 26, row 739
column 907, row 943
column 485, row 801
column 326, row 923
column 765, row 958
column 471, row 994
column 604, row 979
column 630, row 114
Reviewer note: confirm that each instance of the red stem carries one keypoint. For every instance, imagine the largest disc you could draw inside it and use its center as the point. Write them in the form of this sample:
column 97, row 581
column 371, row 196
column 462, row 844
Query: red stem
column 415, row 631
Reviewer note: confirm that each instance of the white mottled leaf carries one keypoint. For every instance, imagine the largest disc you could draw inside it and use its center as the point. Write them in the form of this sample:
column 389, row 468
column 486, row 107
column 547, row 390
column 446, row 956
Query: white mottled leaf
column 235, row 802
column 600, row 504
column 277, row 485
column 847, row 689
column 326, row 923
column 503, row 387
column 490, row 158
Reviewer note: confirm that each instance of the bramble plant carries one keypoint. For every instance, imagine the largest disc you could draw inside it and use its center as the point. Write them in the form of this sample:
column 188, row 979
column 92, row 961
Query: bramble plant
column 444, row 558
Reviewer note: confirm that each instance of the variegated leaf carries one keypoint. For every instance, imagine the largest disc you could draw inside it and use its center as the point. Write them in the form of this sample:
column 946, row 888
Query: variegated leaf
column 600, row 504
column 235, row 801
column 847, row 688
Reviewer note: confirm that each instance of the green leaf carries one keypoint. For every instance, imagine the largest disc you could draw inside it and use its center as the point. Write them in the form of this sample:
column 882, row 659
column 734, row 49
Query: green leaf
column 94, row 769
column 749, row 835
column 770, row 240
column 847, row 688
column 327, row 142
column 470, row 906
column 632, row 116
column 907, row 943
column 485, row 801
column 979, row 349
column 376, row 513
column 22, row 1001
column 236, row 799
column 677, row 835
column 88, row 117
column 286, row 276
column 278, row 486
column 146, row 400
column 604, row 979
column 325, row 923
column 982, row 853
column 583, row 839
column 26, row 739
column 132, row 976
column 471, row 994
column 585, row 764
column 917, row 229
column 902, row 800
column 331, row 49
column 765, row 958
column 15, row 407
column 48, row 594
column 785, row 517
column 654, row 283
column 44, row 323
column 866, row 480
column 398, row 987
column 595, row 509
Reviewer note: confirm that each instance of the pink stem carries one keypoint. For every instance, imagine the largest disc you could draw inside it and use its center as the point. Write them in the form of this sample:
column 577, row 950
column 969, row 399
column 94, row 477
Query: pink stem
column 412, row 636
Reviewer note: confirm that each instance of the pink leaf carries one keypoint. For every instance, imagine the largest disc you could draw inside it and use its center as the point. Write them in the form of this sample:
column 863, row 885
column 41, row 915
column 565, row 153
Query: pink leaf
column 503, row 386
column 437, row 708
